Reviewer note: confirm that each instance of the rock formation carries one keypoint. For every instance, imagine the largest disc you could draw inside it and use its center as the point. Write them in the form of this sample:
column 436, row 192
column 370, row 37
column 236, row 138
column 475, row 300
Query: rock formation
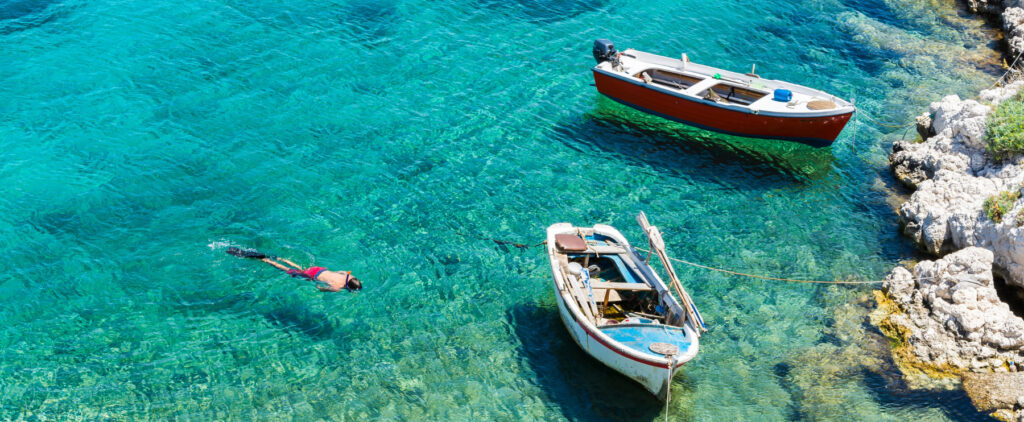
column 1010, row 13
column 947, row 319
column 996, row 393
column 953, row 175
column 952, row 314
column 945, row 316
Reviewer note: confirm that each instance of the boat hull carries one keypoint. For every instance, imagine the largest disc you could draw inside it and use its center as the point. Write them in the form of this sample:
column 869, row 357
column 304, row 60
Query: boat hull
column 652, row 375
column 817, row 130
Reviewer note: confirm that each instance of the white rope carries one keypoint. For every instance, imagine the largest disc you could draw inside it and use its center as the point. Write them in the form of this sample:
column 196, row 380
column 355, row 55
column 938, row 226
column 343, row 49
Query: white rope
column 668, row 383
column 853, row 142
column 1010, row 69
column 780, row 278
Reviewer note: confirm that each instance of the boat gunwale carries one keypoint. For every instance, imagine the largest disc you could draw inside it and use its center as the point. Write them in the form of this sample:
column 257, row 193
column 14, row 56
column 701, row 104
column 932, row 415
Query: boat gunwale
column 838, row 111
column 708, row 71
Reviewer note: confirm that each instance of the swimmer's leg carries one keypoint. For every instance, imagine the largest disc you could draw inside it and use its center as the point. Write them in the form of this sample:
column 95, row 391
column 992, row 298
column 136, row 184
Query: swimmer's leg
column 276, row 264
column 286, row 261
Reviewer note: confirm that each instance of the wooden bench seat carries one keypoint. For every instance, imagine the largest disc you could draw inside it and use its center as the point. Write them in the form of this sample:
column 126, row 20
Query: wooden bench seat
column 601, row 294
column 606, row 249
column 607, row 292
column 619, row 286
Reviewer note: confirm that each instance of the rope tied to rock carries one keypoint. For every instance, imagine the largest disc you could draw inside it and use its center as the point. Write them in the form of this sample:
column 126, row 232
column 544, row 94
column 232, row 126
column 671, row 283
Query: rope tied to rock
column 693, row 264
column 1009, row 70
column 764, row 277
column 859, row 111
column 856, row 118
column 710, row 268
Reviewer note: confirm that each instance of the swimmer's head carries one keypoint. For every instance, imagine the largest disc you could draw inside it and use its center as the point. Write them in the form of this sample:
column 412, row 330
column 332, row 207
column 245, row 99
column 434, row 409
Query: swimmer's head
column 354, row 284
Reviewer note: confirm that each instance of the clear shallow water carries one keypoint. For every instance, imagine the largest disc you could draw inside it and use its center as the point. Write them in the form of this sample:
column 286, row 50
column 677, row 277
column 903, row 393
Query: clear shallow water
column 388, row 137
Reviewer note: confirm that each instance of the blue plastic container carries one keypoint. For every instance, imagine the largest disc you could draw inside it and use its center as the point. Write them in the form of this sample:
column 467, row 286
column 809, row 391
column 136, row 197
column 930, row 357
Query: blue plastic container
column 783, row 95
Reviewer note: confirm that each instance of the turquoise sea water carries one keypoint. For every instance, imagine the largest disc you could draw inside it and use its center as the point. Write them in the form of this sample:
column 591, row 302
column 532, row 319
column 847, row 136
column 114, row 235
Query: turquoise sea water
column 140, row 139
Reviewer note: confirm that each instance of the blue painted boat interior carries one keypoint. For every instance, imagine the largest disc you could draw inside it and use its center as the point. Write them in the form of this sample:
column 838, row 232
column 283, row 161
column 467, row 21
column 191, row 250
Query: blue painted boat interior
column 640, row 337
column 627, row 274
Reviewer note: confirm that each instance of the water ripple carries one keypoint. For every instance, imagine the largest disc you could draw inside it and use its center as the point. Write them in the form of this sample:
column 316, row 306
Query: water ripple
column 388, row 138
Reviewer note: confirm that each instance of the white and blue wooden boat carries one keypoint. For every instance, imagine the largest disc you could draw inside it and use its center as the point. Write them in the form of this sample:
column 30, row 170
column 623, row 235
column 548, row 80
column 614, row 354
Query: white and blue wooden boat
column 617, row 308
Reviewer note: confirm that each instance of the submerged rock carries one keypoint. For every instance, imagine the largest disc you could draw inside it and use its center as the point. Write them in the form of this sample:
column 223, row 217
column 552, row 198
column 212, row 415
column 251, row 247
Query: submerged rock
column 993, row 391
column 1010, row 12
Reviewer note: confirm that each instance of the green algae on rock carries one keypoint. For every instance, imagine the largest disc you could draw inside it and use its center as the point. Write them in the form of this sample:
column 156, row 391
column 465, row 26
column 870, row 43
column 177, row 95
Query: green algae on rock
column 890, row 318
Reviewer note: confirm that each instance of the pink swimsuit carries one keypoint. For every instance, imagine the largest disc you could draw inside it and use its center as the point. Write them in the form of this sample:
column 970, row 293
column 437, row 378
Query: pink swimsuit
column 311, row 273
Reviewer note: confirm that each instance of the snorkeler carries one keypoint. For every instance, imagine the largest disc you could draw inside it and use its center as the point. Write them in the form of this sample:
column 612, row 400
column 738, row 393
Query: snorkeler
column 327, row 281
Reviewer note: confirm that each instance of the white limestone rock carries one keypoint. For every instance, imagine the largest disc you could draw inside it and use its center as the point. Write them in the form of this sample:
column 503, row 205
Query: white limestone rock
column 958, row 143
column 926, row 216
column 953, row 313
column 1013, row 26
column 953, row 176
column 997, row 95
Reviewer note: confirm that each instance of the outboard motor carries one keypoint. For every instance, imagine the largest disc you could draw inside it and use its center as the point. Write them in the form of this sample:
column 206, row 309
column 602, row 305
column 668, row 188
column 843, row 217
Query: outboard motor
column 604, row 50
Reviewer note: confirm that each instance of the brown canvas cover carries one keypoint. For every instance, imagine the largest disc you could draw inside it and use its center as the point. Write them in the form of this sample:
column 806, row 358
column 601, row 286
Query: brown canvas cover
column 570, row 243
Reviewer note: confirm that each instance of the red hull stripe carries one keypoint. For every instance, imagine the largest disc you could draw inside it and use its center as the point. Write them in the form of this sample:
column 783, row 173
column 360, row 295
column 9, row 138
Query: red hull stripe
column 819, row 131
column 610, row 347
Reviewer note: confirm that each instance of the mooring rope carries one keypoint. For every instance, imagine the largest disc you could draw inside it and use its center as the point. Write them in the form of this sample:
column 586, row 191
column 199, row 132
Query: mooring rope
column 1008, row 70
column 693, row 264
column 504, row 242
column 853, row 142
column 883, row 124
column 668, row 383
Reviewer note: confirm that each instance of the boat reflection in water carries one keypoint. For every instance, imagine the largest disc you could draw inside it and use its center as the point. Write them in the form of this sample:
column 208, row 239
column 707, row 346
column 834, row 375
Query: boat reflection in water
column 654, row 141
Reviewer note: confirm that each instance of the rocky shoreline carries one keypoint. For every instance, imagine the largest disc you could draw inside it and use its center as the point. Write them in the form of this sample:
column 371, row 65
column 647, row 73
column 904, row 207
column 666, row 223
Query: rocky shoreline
column 1010, row 13
column 946, row 318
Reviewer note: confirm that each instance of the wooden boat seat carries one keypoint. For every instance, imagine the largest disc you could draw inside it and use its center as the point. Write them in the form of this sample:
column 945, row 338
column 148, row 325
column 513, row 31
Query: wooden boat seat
column 606, row 249
column 600, row 294
column 671, row 79
column 618, row 286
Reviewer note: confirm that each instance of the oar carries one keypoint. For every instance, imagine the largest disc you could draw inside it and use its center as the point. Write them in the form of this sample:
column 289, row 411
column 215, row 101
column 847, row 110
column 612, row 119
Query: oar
column 658, row 246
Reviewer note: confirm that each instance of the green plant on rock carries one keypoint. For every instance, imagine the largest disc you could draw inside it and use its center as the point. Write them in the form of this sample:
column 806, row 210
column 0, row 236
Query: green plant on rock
column 996, row 206
column 1005, row 131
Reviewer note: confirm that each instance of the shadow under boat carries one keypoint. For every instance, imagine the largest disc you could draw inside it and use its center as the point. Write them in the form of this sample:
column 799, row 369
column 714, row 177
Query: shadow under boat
column 630, row 133
column 581, row 386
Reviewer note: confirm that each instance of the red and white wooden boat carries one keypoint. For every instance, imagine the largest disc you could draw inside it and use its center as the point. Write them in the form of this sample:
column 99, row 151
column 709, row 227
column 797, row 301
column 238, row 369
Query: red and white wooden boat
column 717, row 99
column 617, row 309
